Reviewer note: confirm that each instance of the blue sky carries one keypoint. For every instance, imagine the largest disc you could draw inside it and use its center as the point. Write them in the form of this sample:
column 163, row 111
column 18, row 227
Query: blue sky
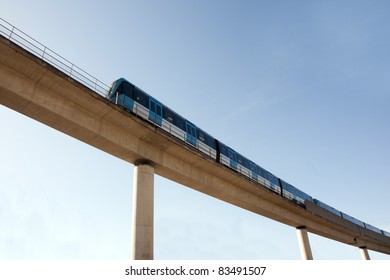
column 300, row 87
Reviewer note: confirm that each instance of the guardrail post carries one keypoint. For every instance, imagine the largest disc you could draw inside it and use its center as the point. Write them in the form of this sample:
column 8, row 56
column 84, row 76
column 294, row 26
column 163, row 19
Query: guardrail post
column 12, row 32
column 143, row 207
column 304, row 244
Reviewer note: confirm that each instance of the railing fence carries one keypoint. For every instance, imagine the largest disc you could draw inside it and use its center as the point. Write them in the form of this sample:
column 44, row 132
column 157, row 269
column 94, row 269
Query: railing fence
column 20, row 38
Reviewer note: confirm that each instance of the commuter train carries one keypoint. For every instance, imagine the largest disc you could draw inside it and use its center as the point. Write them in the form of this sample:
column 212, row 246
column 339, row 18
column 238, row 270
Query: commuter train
column 133, row 99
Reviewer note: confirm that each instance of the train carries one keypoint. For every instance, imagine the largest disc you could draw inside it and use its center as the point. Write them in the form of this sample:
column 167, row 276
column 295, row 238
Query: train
column 133, row 99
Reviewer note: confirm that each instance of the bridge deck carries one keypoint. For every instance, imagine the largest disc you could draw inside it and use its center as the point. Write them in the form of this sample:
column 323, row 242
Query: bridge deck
column 40, row 91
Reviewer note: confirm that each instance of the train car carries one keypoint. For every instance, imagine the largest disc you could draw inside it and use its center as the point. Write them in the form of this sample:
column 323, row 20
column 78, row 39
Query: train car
column 352, row 219
column 370, row 227
column 327, row 212
column 386, row 233
column 133, row 99
column 265, row 178
column 327, row 207
column 268, row 179
column 373, row 232
column 274, row 182
column 361, row 226
column 292, row 193
column 136, row 101
column 236, row 161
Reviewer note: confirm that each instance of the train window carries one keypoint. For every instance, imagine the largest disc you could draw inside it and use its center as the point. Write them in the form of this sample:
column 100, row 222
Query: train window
column 272, row 178
column 168, row 114
column 205, row 138
column 174, row 118
column 179, row 122
column 127, row 89
column 223, row 149
column 141, row 97
column 262, row 172
column 243, row 160
column 201, row 136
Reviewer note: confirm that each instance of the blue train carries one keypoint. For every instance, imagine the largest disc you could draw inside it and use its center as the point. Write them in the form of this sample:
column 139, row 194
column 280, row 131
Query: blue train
column 135, row 100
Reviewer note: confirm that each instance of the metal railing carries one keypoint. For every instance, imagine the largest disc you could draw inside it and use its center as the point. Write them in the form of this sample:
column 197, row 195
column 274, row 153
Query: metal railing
column 23, row 40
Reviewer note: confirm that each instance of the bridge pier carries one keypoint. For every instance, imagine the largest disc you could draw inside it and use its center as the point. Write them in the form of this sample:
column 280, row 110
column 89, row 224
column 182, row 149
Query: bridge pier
column 304, row 244
column 143, row 208
column 364, row 253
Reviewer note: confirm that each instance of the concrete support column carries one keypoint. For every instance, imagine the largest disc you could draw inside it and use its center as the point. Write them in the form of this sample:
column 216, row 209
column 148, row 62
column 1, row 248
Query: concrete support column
column 143, row 207
column 304, row 244
column 364, row 253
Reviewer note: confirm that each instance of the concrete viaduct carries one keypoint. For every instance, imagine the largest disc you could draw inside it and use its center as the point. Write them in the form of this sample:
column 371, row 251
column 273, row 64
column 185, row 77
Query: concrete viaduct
column 32, row 86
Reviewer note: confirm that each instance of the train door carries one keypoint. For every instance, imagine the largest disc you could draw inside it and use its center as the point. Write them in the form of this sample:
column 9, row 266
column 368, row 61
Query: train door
column 191, row 135
column 155, row 111
column 233, row 158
